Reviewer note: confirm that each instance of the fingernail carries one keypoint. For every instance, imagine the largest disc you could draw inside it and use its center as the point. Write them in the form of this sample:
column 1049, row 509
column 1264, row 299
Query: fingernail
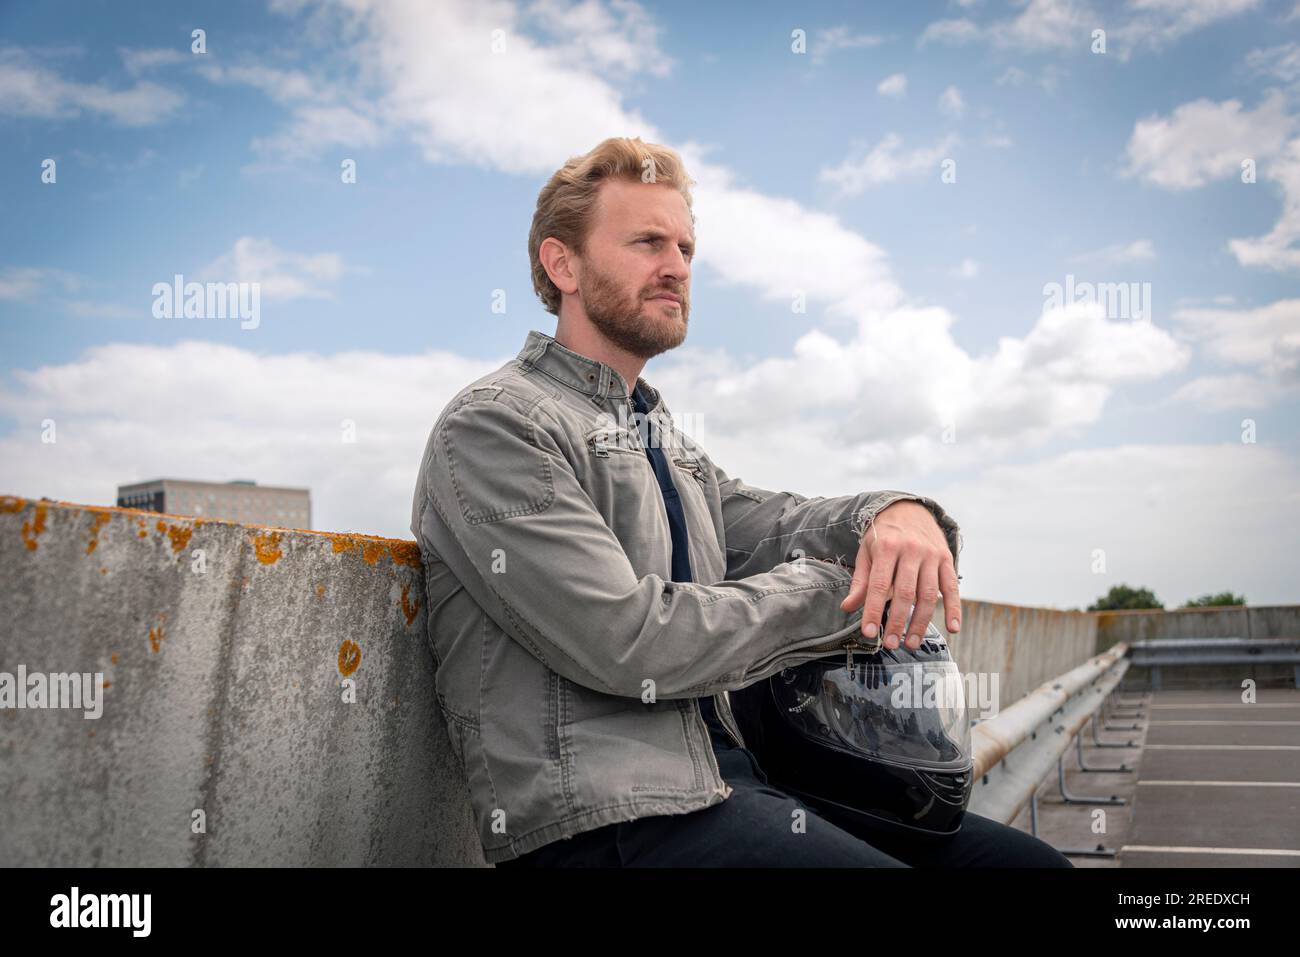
column 871, row 630
column 954, row 625
column 892, row 641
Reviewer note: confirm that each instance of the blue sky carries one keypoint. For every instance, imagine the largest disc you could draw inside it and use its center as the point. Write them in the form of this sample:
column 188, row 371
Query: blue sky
column 817, row 171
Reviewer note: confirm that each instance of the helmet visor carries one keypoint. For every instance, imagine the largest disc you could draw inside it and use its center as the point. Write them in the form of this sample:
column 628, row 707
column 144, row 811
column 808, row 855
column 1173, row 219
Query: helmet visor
column 906, row 712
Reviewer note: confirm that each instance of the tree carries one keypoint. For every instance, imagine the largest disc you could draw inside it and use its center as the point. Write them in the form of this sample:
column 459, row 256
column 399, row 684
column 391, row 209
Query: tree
column 1210, row 601
column 1123, row 598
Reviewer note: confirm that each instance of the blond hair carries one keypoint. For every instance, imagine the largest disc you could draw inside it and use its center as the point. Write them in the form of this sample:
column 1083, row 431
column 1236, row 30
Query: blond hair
column 567, row 202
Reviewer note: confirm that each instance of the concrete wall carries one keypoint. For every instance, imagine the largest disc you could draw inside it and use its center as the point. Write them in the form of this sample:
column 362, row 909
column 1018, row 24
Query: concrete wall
column 1023, row 646
column 223, row 693
column 1238, row 621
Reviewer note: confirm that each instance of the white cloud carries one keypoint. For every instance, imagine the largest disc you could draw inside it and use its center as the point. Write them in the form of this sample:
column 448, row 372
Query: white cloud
column 29, row 89
column 968, row 269
column 1218, row 393
column 1277, row 249
column 885, row 162
column 138, row 61
column 1203, row 140
column 282, row 274
column 1265, row 339
column 1159, row 23
column 951, row 102
column 621, row 36
column 19, row 283
column 26, row 283
column 956, row 31
column 1281, row 62
column 283, row 86
column 906, row 368
column 1042, row 25
column 1180, row 519
column 1140, row 250
column 229, row 412
column 893, row 85
column 826, row 42
column 1067, row 25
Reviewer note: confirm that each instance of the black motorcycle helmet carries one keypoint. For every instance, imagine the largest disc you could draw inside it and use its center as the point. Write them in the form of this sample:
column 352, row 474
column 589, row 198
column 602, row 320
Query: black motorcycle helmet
column 881, row 744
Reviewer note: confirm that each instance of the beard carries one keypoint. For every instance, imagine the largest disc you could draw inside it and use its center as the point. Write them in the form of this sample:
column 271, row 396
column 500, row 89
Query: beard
column 634, row 324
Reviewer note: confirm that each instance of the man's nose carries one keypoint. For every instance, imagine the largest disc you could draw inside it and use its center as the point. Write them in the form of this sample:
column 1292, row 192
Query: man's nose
column 675, row 266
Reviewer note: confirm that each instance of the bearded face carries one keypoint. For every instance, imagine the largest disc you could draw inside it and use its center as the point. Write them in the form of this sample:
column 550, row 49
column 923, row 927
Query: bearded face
column 629, row 315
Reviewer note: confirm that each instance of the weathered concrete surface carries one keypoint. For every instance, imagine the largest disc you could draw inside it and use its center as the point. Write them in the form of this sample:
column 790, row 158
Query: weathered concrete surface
column 1238, row 621
column 1024, row 647
column 223, row 695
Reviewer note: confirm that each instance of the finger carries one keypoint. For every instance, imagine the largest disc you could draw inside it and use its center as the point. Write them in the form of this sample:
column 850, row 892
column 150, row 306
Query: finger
column 951, row 595
column 909, row 569
column 927, row 596
column 858, row 586
column 878, row 586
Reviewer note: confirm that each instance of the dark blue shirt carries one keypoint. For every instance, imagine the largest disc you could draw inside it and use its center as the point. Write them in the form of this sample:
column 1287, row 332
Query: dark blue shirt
column 681, row 545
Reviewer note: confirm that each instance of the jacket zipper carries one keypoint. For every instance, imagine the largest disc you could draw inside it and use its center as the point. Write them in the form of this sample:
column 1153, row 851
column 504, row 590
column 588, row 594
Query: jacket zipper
column 722, row 705
column 849, row 645
column 696, row 471
column 726, row 789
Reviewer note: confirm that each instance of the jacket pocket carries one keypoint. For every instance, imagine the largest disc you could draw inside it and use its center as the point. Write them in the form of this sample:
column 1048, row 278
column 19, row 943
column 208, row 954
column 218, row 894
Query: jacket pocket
column 651, row 742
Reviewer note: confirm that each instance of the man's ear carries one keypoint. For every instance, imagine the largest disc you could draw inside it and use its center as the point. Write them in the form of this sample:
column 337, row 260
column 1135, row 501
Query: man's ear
column 561, row 265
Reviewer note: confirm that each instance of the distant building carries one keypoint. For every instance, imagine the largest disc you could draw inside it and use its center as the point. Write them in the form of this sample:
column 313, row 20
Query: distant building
column 239, row 501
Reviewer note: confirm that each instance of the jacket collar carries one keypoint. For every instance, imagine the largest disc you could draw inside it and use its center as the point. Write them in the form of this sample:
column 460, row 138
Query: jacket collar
column 582, row 374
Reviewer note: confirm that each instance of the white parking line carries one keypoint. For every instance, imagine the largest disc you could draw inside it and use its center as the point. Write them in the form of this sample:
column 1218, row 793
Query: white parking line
column 1223, row 747
column 1269, row 723
column 1235, row 704
column 1226, row 784
column 1153, row 849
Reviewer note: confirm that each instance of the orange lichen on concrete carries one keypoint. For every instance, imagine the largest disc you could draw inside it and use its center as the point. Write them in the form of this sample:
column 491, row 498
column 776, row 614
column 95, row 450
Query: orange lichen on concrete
column 406, row 553
column 349, row 657
column 156, row 633
column 320, row 591
column 113, row 657
column 33, row 527
column 101, row 517
column 372, row 549
column 409, row 610
column 268, row 548
column 179, row 534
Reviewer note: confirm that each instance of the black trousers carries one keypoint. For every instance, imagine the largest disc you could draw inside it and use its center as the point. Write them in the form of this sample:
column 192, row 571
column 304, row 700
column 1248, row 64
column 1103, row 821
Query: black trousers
column 760, row 826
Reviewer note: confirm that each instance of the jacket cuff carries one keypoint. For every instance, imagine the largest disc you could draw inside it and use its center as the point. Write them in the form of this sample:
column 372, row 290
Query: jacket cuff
column 864, row 517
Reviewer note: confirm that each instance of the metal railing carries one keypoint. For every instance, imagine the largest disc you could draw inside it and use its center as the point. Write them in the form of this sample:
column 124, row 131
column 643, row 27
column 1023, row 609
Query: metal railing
column 1181, row 652
column 1014, row 751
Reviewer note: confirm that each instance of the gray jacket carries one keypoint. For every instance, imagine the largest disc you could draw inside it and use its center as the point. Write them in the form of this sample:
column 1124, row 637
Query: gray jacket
column 568, row 663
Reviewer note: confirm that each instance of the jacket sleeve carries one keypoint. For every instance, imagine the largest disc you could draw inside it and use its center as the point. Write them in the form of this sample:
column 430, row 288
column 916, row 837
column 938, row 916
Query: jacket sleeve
column 764, row 528
column 503, row 508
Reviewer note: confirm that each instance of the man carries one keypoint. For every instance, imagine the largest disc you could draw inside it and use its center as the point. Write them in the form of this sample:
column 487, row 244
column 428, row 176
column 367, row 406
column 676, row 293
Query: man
column 596, row 584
